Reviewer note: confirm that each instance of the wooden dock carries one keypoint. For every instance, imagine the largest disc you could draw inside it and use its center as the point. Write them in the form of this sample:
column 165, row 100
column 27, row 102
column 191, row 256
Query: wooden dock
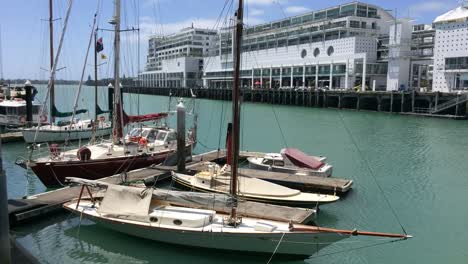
column 432, row 104
column 22, row 210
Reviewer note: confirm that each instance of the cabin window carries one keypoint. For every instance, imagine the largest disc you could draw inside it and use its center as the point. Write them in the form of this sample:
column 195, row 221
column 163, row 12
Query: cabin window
column 161, row 136
column 151, row 136
column 2, row 110
column 21, row 110
column 172, row 137
column 153, row 219
column 11, row 110
column 177, row 222
column 267, row 162
column 279, row 163
column 36, row 109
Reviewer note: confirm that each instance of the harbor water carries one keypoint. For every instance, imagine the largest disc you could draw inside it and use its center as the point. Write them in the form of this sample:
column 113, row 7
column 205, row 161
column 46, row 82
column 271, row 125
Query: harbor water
column 408, row 172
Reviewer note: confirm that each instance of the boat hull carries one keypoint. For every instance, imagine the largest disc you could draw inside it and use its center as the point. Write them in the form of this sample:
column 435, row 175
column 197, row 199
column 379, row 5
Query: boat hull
column 292, row 243
column 53, row 173
column 60, row 135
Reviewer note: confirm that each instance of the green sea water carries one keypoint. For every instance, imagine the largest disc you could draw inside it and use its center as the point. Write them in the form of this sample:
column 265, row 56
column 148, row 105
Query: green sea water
column 406, row 170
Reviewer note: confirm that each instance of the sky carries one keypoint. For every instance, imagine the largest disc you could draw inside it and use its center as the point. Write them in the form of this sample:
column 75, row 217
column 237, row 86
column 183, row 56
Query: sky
column 24, row 41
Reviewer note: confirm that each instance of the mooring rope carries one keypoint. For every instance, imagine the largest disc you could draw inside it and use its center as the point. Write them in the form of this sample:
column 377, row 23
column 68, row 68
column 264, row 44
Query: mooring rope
column 276, row 248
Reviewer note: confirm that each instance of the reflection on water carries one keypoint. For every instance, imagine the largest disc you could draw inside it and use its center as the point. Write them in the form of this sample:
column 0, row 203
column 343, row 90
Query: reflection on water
column 419, row 163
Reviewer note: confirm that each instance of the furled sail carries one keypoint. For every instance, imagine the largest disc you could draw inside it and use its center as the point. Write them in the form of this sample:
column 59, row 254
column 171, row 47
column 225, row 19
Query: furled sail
column 57, row 113
column 99, row 111
column 143, row 118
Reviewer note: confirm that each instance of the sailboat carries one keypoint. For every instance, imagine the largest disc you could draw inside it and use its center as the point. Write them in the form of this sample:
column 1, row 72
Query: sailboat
column 216, row 179
column 61, row 131
column 138, row 213
column 105, row 158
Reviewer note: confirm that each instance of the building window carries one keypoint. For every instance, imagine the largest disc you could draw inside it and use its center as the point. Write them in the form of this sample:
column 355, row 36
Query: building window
column 330, row 50
column 303, row 53
column 316, row 52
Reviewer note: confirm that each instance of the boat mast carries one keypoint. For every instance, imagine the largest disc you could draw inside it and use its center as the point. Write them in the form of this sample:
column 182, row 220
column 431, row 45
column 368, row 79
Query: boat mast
column 118, row 113
column 236, row 109
column 95, row 78
column 51, row 40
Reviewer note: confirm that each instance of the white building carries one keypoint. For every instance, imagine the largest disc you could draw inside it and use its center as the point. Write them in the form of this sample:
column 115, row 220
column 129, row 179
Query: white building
column 451, row 50
column 334, row 47
column 177, row 60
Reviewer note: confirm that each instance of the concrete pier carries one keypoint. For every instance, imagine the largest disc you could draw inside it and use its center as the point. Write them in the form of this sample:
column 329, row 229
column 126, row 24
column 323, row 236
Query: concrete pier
column 435, row 104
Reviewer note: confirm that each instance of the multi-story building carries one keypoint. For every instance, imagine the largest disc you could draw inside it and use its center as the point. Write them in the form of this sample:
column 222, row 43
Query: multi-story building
column 177, row 60
column 334, row 47
column 451, row 50
column 353, row 45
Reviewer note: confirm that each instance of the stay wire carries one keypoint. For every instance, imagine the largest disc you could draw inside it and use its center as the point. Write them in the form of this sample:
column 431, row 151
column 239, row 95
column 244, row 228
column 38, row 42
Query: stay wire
column 356, row 248
column 366, row 163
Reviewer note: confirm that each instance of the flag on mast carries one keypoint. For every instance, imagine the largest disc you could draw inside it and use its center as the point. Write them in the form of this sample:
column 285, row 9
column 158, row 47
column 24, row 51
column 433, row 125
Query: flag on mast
column 99, row 45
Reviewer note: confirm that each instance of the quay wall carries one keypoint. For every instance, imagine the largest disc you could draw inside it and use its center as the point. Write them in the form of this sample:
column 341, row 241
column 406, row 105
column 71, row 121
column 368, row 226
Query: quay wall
column 436, row 104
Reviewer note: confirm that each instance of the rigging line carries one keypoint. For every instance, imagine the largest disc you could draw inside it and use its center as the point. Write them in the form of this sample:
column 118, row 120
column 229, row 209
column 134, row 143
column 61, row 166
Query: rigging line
column 371, row 172
column 279, row 126
column 223, row 102
column 276, row 248
column 75, row 105
column 357, row 248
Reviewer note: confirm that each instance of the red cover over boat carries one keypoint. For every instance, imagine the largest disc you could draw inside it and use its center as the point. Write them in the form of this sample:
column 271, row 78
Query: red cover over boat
column 143, row 118
column 301, row 159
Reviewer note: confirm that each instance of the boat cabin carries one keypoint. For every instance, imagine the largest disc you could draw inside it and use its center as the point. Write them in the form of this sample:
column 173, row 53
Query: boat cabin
column 13, row 112
column 152, row 135
column 273, row 159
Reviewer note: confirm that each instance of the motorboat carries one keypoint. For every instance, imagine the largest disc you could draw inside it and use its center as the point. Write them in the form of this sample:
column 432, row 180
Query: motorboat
column 294, row 161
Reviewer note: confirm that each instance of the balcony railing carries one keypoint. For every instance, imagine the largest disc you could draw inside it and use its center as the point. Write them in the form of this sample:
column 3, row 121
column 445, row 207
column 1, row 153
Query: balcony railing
column 451, row 67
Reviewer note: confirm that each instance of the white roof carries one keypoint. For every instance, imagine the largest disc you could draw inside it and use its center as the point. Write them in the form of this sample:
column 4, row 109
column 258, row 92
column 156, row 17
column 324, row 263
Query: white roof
column 273, row 156
column 14, row 103
column 460, row 12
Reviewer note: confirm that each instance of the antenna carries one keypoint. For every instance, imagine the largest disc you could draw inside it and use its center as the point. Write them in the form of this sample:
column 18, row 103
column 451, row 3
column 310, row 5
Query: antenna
column 1, row 58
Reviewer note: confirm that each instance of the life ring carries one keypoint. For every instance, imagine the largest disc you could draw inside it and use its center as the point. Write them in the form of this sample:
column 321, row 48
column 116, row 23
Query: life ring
column 102, row 119
column 22, row 119
column 43, row 118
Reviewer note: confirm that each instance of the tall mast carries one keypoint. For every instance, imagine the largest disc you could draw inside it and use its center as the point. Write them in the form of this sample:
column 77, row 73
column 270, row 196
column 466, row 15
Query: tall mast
column 95, row 78
column 51, row 40
column 236, row 107
column 118, row 121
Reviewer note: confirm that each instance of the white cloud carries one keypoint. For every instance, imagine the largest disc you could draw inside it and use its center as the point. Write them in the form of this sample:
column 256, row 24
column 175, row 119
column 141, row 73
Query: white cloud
column 255, row 12
column 435, row 6
column 264, row 2
column 296, row 9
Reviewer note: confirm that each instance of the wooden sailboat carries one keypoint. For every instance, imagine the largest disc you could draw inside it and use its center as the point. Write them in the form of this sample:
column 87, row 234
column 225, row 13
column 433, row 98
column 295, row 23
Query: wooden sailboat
column 137, row 213
column 61, row 131
column 105, row 158
column 216, row 179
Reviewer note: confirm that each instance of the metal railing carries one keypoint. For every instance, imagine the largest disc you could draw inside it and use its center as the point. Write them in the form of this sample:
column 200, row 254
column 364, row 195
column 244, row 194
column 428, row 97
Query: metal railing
column 451, row 103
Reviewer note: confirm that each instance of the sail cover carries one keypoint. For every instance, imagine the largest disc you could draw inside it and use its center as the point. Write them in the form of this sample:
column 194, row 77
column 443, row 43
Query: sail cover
column 99, row 111
column 126, row 203
column 301, row 159
column 143, row 118
column 57, row 113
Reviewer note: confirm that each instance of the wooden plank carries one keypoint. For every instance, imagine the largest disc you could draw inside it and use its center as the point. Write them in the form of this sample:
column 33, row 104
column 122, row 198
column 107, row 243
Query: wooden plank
column 304, row 182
